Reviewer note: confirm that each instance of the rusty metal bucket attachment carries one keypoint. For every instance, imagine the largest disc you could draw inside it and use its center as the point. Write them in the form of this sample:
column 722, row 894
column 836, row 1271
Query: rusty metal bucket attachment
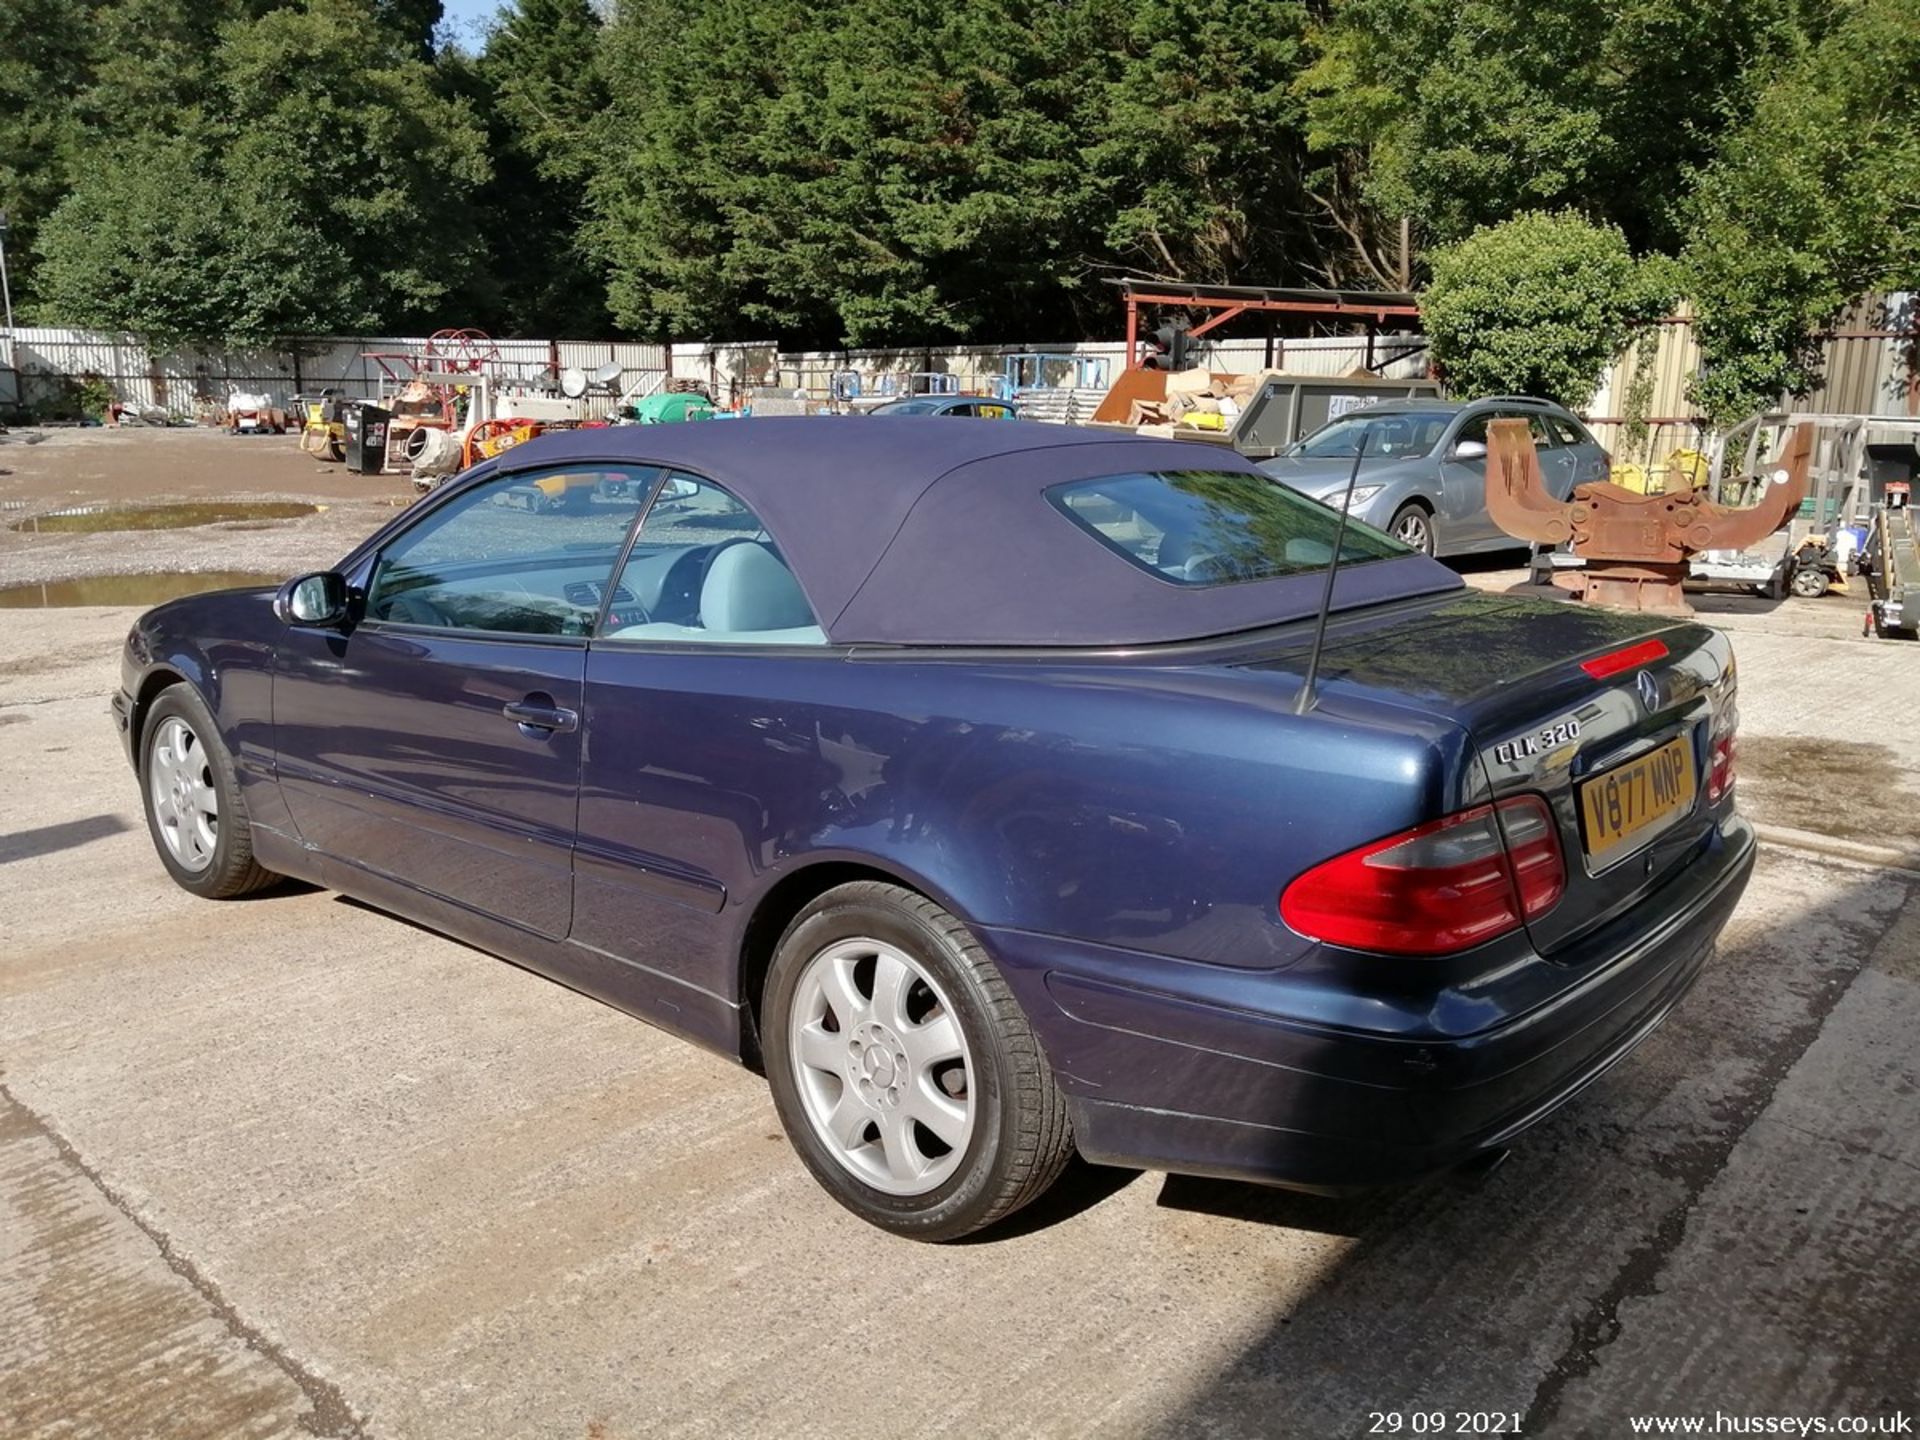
column 1636, row 547
column 1517, row 497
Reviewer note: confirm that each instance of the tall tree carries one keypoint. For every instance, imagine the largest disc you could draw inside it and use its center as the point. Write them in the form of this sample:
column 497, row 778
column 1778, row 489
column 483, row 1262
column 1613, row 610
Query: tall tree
column 1463, row 113
column 1810, row 206
column 1195, row 140
column 866, row 172
column 538, row 87
column 46, row 57
column 148, row 244
column 881, row 171
column 320, row 182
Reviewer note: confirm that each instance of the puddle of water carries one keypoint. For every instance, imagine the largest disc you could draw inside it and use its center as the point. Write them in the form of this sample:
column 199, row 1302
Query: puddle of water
column 87, row 518
column 128, row 589
column 1845, row 788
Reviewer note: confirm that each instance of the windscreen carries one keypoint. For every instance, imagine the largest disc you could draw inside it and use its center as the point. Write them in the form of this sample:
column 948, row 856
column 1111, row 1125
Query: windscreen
column 1214, row 527
column 1389, row 437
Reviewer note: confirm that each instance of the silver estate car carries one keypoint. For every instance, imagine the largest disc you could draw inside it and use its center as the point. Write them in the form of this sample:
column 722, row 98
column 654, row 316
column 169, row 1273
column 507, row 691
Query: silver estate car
column 1424, row 475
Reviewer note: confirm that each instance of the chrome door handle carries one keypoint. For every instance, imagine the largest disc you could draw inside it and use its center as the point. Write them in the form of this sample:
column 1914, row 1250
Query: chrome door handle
column 548, row 718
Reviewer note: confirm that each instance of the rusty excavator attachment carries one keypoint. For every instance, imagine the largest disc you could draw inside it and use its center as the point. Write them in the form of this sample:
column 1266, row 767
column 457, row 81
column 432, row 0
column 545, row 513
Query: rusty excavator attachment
column 1636, row 547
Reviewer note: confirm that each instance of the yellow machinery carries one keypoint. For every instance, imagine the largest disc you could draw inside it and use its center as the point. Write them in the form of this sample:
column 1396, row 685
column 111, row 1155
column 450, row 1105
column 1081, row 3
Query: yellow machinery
column 1683, row 469
column 323, row 426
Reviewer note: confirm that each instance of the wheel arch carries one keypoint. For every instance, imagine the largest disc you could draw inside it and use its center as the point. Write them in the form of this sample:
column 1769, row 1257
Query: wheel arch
column 156, row 680
column 785, row 898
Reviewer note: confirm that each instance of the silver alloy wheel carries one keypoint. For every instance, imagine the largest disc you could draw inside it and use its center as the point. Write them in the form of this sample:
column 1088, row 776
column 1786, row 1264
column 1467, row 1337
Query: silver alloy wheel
column 185, row 803
column 882, row 1066
column 1413, row 531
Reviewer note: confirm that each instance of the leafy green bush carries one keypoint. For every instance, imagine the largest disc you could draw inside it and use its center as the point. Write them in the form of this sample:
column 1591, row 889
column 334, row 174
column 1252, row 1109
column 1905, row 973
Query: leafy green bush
column 1538, row 306
column 94, row 397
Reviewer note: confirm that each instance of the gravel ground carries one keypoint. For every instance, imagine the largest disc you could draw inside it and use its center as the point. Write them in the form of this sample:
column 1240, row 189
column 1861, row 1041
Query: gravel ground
column 144, row 467
column 290, row 1166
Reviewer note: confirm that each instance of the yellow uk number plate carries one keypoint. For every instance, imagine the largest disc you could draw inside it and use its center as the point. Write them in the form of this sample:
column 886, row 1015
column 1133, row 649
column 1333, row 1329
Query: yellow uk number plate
column 1637, row 800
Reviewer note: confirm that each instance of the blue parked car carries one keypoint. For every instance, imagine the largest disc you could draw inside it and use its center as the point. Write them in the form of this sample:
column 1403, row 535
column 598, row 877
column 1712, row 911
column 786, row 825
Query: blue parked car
column 959, row 777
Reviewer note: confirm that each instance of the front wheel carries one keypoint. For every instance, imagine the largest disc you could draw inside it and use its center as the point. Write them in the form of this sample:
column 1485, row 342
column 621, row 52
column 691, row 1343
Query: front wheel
column 903, row 1069
column 1412, row 526
column 195, row 812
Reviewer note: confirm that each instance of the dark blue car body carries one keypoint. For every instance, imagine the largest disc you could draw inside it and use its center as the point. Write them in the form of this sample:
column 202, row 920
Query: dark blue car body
column 1113, row 821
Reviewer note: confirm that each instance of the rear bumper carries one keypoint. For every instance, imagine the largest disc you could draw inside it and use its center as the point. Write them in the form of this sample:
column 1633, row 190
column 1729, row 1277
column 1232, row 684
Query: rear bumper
column 1171, row 1066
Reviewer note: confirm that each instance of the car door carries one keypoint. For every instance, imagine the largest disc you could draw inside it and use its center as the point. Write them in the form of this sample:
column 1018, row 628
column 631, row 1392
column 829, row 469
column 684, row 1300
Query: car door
column 695, row 749
column 437, row 742
column 1588, row 460
column 1463, row 522
column 1556, row 459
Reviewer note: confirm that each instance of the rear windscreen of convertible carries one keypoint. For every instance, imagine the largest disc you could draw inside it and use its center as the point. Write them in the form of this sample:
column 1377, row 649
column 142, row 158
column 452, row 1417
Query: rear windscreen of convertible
column 1214, row 527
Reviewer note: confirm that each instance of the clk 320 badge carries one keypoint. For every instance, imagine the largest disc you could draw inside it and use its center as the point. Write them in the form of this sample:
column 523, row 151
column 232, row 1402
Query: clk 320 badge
column 1547, row 737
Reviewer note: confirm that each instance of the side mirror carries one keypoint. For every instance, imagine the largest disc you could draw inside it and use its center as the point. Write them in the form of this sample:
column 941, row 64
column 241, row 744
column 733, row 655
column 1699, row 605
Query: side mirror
column 317, row 601
column 1470, row 450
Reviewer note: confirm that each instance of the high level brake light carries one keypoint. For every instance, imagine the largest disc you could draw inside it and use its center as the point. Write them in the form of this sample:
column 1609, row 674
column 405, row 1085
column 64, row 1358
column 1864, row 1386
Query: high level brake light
column 1614, row 661
column 1438, row 888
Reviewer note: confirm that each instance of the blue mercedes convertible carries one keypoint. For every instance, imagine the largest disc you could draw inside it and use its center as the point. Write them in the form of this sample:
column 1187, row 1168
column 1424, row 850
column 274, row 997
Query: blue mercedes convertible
column 968, row 780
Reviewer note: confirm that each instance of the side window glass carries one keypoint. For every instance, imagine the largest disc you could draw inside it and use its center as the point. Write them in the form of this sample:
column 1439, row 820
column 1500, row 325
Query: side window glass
column 1569, row 433
column 1536, row 425
column 524, row 554
column 704, row 569
column 1473, row 428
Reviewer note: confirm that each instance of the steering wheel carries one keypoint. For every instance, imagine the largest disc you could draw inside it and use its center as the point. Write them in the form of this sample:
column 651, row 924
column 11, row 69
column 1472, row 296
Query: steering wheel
column 1204, row 565
column 410, row 607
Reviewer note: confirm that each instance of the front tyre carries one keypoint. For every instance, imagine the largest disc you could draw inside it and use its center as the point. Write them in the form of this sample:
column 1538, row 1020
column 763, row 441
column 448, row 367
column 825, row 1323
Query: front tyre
column 195, row 812
column 903, row 1069
column 1412, row 526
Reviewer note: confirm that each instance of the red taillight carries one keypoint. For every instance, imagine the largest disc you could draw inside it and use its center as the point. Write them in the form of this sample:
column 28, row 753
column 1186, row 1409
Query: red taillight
column 1440, row 887
column 1720, row 774
column 1614, row 661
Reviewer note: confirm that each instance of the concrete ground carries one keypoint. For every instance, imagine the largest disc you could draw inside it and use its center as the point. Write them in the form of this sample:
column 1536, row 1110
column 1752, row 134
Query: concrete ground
column 290, row 1166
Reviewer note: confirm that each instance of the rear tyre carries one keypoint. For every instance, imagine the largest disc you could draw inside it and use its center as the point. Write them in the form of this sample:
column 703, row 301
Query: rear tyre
column 1412, row 526
column 903, row 1069
column 195, row 812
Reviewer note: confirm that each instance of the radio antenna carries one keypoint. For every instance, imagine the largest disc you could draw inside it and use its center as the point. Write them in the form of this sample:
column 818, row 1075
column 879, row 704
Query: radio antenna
column 1305, row 702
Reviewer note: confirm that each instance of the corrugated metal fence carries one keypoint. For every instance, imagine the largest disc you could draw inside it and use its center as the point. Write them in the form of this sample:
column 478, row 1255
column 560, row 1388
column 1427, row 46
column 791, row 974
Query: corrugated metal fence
column 185, row 382
column 1641, row 410
column 1870, row 366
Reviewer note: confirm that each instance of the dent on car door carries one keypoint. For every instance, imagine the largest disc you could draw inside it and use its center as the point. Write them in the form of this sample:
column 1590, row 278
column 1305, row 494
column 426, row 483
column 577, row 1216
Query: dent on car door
column 437, row 742
column 693, row 756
